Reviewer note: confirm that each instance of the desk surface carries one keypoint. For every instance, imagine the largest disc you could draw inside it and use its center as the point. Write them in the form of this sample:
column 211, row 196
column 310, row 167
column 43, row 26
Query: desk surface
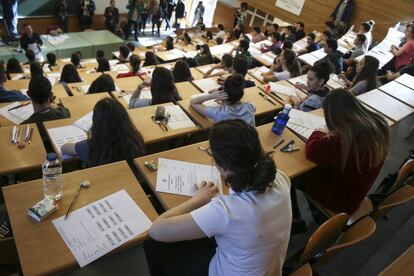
column 17, row 84
column 128, row 84
column 402, row 266
column 186, row 89
column 285, row 98
column 102, row 37
column 37, row 242
column 152, row 132
column 399, row 91
column 13, row 159
column 82, row 105
column 386, row 105
column 292, row 164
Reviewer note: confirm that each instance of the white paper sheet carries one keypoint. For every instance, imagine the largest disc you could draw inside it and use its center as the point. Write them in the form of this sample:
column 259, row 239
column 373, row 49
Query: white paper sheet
column 406, row 80
column 85, row 88
column 282, row 89
column 112, row 62
column 98, row 228
column 177, row 177
column 205, row 69
column 66, row 134
column 257, row 72
column 334, row 82
column 18, row 115
column 207, row 84
column 17, row 77
column 304, row 123
column 178, row 118
column 120, row 67
column 85, row 123
column 309, row 59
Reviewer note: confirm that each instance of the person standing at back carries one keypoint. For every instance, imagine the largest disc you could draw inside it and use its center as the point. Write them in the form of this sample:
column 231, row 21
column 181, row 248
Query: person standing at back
column 63, row 12
column 198, row 13
column 179, row 13
column 240, row 16
column 243, row 233
column 111, row 17
column 31, row 40
column 170, row 9
column 134, row 14
column 86, row 12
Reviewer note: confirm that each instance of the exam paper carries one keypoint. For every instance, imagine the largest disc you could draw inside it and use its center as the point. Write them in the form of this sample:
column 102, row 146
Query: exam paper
column 85, row 123
column 177, row 117
column 304, row 123
column 65, row 134
column 18, row 115
column 178, row 177
column 207, row 84
column 257, row 73
column 98, row 228
column 282, row 89
column 334, row 82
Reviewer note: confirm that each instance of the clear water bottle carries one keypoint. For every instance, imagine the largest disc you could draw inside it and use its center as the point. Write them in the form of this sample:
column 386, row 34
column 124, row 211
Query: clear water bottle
column 281, row 120
column 52, row 177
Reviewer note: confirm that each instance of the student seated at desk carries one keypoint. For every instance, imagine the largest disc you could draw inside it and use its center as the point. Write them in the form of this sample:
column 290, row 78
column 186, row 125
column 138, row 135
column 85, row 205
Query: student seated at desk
column 317, row 77
column 250, row 225
column 311, row 46
column 135, row 64
column 104, row 83
column 182, row 72
column 230, row 107
column 242, row 51
column 289, row 35
column 287, row 66
column 40, row 91
column 50, row 61
column 221, row 33
column 405, row 53
column 163, row 89
column 239, row 68
column 113, row 136
column 69, row 74
column 325, row 36
column 350, row 155
column 276, row 44
column 30, row 55
column 150, row 59
column 333, row 56
column 257, row 35
column 76, row 59
column 99, row 54
column 124, row 54
column 366, row 78
column 13, row 67
column 226, row 64
column 103, row 65
column 36, row 69
column 9, row 95
column 409, row 69
column 357, row 51
column 204, row 56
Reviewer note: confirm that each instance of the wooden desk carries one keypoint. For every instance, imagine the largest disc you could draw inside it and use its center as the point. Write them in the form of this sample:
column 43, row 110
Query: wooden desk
column 186, row 89
column 17, row 84
column 59, row 92
column 90, row 77
column 168, row 55
column 264, row 59
column 80, row 106
column 399, row 91
column 196, row 74
column 76, row 88
column 285, row 98
column 250, row 95
column 292, row 164
column 41, row 249
column 386, row 105
column 402, row 266
column 13, row 159
column 128, row 84
column 152, row 132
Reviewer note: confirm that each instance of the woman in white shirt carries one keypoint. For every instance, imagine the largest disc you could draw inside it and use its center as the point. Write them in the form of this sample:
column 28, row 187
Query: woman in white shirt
column 250, row 225
column 287, row 66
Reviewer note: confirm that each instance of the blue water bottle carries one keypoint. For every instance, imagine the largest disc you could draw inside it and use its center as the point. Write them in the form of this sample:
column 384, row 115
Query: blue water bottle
column 281, row 120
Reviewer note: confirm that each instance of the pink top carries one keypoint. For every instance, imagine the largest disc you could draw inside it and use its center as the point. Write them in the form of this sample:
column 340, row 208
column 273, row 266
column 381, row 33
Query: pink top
column 407, row 55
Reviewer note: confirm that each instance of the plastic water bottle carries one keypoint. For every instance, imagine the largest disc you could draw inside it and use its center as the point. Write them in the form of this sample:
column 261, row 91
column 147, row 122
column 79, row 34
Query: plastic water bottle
column 281, row 120
column 52, row 177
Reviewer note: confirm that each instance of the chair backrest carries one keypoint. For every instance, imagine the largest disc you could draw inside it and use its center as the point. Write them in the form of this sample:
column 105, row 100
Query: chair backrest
column 324, row 236
column 404, row 172
column 402, row 195
column 359, row 231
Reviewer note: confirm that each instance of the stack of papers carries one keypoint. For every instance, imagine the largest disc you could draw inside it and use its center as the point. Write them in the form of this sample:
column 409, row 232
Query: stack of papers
column 304, row 123
column 282, row 89
column 18, row 115
column 98, row 228
column 177, row 117
column 66, row 134
column 180, row 178
column 207, row 84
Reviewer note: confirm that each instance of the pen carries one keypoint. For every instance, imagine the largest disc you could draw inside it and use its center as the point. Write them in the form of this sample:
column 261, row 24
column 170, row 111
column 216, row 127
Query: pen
column 26, row 136
column 19, row 131
column 278, row 144
column 291, row 142
column 20, row 105
column 14, row 134
column 30, row 135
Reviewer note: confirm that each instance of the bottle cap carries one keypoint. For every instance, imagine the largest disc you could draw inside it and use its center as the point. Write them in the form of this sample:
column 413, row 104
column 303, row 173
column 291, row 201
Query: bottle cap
column 51, row 156
column 288, row 106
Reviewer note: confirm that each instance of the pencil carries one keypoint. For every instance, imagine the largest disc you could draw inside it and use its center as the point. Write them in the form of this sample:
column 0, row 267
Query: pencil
column 14, row 134
column 20, row 105
column 279, row 143
column 30, row 135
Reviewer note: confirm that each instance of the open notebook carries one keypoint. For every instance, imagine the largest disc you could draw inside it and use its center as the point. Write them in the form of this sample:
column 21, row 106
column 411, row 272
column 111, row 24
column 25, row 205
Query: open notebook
column 304, row 123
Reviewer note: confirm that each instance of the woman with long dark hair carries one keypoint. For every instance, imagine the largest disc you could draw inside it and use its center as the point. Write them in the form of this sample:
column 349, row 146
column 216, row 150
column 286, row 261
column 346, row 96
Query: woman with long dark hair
column 204, row 57
column 182, row 72
column 163, row 89
column 70, row 74
column 250, row 234
column 113, row 136
column 104, row 83
column 366, row 77
column 150, row 59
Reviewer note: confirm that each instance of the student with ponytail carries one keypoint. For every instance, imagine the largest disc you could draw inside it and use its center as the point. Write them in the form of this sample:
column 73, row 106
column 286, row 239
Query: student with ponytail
column 230, row 107
column 287, row 66
column 250, row 225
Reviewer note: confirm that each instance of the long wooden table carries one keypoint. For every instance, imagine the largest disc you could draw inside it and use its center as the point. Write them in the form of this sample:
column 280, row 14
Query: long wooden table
column 13, row 159
column 82, row 105
column 40, row 247
column 293, row 164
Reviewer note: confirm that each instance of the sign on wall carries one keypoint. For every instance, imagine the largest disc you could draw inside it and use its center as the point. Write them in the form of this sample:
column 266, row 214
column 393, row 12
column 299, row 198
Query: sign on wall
column 293, row 6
